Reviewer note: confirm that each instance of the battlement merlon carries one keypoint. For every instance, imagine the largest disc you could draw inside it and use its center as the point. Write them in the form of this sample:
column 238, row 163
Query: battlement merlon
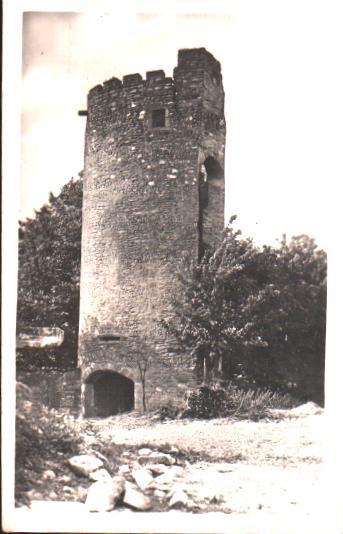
column 193, row 62
column 155, row 75
column 197, row 57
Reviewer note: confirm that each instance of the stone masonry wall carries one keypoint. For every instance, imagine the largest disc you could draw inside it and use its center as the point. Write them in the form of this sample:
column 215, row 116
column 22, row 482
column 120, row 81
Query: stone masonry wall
column 141, row 214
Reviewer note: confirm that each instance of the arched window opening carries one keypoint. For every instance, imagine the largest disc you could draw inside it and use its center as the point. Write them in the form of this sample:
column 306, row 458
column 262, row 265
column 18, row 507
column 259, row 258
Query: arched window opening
column 211, row 204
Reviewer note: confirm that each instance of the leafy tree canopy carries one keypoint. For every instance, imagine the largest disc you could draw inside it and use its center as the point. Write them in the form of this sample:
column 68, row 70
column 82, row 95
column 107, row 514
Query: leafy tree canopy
column 256, row 315
column 49, row 275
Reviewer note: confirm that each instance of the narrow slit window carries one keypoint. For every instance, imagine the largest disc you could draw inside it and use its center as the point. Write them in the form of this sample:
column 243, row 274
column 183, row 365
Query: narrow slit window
column 109, row 337
column 158, row 118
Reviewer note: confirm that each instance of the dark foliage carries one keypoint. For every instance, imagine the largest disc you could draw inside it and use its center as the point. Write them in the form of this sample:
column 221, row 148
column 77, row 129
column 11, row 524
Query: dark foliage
column 256, row 316
column 207, row 402
column 49, row 275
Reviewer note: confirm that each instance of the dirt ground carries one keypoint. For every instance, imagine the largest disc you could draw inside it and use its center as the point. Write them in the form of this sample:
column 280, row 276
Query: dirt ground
column 246, row 470
column 274, row 465
column 286, row 442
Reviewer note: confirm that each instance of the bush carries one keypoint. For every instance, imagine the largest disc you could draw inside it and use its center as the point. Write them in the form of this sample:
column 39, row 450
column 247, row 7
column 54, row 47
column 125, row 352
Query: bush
column 206, row 402
column 168, row 411
column 41, row 435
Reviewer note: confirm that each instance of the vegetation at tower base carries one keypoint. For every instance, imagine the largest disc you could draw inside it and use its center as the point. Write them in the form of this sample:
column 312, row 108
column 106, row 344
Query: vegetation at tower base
column 49, row 275
column 255, row 316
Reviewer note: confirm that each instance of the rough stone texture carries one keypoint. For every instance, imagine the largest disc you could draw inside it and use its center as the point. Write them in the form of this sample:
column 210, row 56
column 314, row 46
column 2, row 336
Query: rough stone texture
column 144, row 451
column 100, row 475
column 168, row 476
column 143, row 478
column 153, row 191
column 135, row 498
column 178, row 498
column 48, row 475
column 124, row 469
column 84, row 464
column 102, row 496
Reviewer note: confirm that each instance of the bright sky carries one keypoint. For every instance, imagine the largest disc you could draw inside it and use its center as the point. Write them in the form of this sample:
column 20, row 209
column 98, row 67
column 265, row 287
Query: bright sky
column 278, row 67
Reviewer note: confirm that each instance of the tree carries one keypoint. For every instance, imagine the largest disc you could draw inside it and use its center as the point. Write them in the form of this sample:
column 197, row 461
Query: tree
column 210, row 313
column 49, row 275
column 257, row 314
column 293, row 322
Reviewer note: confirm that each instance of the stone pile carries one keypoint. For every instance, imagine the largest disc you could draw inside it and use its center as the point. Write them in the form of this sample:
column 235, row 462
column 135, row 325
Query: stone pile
column 153, row 479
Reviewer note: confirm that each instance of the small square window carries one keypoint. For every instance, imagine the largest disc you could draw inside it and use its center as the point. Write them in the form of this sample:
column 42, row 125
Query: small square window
column 158, row 118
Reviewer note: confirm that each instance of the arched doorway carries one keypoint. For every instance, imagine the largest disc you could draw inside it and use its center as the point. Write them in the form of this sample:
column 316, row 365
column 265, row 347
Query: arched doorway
column 211, row 204
column 108, row 393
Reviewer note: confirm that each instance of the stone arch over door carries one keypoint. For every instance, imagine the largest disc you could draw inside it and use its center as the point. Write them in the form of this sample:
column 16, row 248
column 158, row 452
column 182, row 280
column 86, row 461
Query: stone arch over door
column 108, row 393
column 211, row 204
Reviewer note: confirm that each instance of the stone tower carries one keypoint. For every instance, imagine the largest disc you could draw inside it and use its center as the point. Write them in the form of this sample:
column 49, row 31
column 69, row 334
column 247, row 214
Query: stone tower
column 153, row 192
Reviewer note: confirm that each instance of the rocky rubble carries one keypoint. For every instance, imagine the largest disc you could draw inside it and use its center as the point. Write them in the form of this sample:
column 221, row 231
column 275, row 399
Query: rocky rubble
column 150, row 480
column 84, row 464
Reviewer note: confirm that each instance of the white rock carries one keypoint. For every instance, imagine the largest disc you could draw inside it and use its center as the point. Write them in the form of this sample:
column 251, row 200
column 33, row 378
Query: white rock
column 84, row 464
column 143, row 478
column 48, row 475
column 99, row 455
column 97, row 499
column 179, row 497
column 65, row 478
column 144, row 451
column 124, row 469
column 103, row 496
column 100, row 474
column 135, row 498
column 169, row 475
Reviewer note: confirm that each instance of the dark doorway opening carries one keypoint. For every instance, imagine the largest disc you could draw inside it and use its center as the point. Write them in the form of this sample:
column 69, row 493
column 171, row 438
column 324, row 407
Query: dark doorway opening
column 108, row 393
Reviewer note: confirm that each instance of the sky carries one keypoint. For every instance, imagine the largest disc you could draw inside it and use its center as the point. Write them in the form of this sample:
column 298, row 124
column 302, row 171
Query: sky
column 279, row 66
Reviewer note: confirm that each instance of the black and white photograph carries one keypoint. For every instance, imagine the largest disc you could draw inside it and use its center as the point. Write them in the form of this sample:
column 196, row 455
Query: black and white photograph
column 170, row 188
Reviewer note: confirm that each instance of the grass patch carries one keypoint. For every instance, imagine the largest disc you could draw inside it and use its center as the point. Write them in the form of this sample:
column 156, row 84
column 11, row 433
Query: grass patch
column 256, row 404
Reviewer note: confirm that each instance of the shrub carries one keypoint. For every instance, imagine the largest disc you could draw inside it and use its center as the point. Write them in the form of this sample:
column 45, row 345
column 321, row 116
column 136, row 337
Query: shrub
column 205, row 402
column 41, row 435
column 168, row 411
